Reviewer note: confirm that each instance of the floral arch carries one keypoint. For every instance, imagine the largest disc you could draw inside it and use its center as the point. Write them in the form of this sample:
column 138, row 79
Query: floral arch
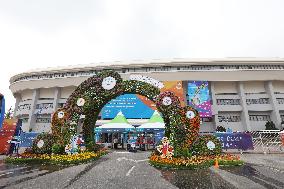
column 182, row 123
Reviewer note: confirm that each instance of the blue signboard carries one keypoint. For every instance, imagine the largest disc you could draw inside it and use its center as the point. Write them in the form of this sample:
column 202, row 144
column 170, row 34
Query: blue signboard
column 26, row 139
column 130, row 105
column 2, row 109
column 241, row 141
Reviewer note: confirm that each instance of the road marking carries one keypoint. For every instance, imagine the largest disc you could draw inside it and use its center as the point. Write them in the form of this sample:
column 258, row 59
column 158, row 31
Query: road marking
column 6, row 173
column 128, row 173
column 13, row 169
column 122, row 152
column 133, row 160
column 141, row 160
column 124, row 158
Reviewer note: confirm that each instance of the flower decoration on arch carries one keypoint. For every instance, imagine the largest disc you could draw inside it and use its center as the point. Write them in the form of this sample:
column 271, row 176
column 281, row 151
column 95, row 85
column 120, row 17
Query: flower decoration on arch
column 182, row 123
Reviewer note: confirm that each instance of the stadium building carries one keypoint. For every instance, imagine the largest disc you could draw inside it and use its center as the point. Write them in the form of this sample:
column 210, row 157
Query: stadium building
column 237, row 93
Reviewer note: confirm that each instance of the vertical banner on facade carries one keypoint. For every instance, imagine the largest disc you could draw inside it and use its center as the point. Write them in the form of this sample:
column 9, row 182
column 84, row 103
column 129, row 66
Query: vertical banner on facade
column 137, row 106
column 2, row 109
column 7, row 133
column 199, row 97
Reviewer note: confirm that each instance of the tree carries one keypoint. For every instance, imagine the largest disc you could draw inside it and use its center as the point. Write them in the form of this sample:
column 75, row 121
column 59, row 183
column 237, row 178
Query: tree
column 9, row 113
column 220, row 128
column 269, row 125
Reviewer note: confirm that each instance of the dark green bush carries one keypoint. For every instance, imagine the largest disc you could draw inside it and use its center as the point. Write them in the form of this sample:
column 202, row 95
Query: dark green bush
column 97, row 147
column 220, row 128
column 58, row 149
column 269, row 125
column 93, row 147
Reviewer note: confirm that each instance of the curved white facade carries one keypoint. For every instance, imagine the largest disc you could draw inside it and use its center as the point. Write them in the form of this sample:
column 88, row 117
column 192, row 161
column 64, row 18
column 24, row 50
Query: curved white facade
column 245, row 92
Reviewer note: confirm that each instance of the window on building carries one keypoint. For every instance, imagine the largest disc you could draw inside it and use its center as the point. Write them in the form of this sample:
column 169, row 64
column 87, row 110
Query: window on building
column 206, row 119
column 259, row 118
column 228, row 102
column 43, row 120
column 280, row 100
column 229, row 118
column 257, row 101
column 44, row 106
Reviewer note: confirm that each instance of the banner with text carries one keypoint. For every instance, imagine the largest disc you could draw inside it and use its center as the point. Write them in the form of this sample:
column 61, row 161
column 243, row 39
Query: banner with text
column 241, row 141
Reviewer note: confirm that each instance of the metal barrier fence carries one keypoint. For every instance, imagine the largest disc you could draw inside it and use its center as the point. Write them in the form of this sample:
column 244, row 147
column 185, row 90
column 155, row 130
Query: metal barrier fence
column 268, row 141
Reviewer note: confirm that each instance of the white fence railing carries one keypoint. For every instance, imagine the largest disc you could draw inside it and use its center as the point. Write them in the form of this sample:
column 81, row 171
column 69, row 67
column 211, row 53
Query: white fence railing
column 267, row 141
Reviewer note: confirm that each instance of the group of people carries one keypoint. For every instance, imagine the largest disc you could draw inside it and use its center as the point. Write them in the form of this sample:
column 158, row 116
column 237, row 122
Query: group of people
column 134, row 140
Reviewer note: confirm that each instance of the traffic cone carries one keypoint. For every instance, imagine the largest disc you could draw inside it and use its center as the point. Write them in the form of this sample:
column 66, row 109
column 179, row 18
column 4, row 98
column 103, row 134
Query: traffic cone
column 216, row 164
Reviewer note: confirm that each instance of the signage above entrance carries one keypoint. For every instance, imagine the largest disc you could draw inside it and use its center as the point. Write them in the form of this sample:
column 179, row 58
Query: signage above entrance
column 147, row 79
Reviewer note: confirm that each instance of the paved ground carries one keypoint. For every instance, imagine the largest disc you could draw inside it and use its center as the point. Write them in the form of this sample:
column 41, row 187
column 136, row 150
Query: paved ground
column 131, row 170
column 115, row 170
column 260, row 171
column 269, row 160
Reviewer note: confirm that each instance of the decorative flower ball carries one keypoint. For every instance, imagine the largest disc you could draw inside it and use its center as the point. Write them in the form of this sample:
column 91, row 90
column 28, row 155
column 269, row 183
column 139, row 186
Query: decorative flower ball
column 40, row 143
column 108, row 83
column 80, row 102
column 60, row 114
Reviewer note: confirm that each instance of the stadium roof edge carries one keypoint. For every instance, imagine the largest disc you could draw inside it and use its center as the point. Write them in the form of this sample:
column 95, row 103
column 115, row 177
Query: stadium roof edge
column 145, row 63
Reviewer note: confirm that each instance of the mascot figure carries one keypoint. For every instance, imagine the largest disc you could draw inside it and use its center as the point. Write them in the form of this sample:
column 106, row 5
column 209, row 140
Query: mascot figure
column 166, row 149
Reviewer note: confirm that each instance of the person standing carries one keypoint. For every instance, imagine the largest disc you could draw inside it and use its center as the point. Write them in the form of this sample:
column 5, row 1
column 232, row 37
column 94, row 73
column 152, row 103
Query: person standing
column 115, row 142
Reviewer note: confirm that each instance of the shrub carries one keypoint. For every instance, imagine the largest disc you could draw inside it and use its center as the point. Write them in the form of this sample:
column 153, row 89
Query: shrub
column 93, row 147
column 220, row 128
column 97, row 147
column 200, row 146
column 269, row 125
column 46, row 140
column 58, row 149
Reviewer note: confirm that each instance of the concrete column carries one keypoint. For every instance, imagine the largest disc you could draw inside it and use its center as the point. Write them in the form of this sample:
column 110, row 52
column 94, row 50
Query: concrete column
column 32, row 116
column 57, row 93
column 275, row 115
column 18, row 100
column 214, row 107
column 244, row 114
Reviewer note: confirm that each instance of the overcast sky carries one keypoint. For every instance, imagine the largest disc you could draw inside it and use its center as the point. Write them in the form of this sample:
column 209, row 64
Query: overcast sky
column 38, row 34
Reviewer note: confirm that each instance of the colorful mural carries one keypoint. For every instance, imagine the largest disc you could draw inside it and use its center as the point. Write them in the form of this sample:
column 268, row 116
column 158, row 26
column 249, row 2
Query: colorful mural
column 199, row 97
column 130, row 105
column 136, row 106
column 173, row 86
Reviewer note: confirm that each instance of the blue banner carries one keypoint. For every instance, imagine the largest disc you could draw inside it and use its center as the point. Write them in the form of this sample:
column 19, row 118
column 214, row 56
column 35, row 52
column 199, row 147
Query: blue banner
column 2, row 109
column 130, row 105
column 241, row 141
column 26, row 139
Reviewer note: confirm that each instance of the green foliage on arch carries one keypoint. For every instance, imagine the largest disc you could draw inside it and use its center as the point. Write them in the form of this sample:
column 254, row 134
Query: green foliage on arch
column 181, row 129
